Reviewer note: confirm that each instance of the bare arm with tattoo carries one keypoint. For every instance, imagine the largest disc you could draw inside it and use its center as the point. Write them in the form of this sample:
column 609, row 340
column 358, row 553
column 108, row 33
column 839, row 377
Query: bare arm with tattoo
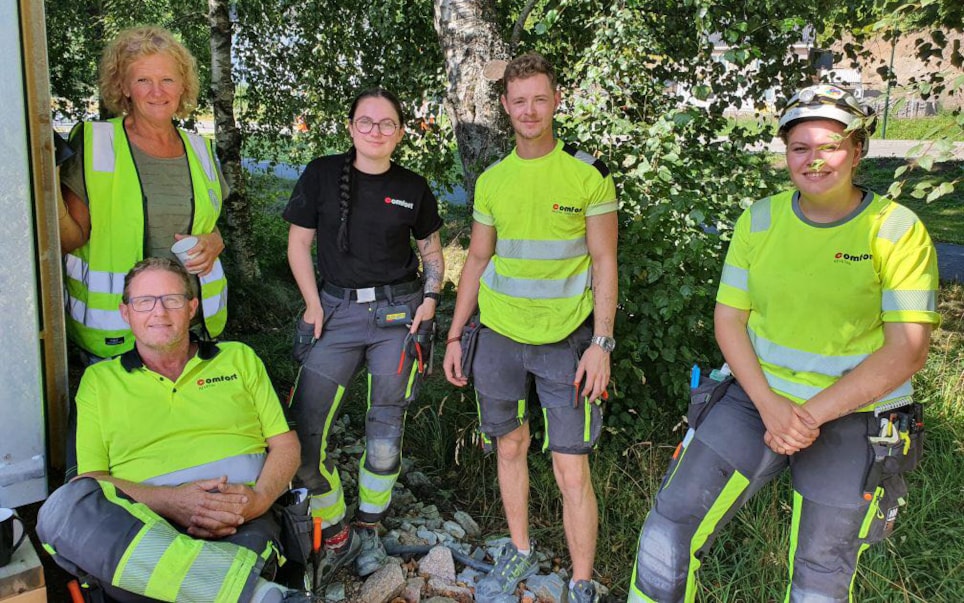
column 433, row 271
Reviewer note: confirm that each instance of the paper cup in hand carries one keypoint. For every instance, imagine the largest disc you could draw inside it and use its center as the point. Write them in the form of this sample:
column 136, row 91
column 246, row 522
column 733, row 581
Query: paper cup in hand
column 182, row 247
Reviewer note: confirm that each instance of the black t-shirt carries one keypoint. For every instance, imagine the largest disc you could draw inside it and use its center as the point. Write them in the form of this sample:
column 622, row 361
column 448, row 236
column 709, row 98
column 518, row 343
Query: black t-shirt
column 387, row 211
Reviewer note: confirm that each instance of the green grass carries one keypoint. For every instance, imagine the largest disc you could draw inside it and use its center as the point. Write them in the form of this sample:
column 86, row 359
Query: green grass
column 920, row 128
column 898, row 128
column 944, row 217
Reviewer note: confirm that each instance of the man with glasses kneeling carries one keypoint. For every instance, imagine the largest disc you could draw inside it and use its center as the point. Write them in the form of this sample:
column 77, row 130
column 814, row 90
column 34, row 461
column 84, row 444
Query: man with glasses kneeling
column 182, row 448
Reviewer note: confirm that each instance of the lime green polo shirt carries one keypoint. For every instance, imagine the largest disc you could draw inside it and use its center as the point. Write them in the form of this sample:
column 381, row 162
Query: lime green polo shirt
column 137, row 425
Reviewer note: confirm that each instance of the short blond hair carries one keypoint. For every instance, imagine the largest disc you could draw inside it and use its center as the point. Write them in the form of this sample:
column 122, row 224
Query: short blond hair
column 136, row 43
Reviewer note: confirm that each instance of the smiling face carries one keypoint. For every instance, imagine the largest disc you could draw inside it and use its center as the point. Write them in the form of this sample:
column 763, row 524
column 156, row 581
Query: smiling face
column 158, row 329
column 821, row 158
column 154, row 86
column 531, row 103
column 374, row 148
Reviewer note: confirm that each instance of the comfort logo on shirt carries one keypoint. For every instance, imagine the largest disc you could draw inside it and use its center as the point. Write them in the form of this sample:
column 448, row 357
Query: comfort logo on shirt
column 565, row 209
column 211, row 381
column 850, row 258
column 399, row 202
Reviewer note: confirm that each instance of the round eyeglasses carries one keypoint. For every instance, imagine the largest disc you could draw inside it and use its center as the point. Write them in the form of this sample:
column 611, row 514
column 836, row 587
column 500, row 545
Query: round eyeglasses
column 386, row 127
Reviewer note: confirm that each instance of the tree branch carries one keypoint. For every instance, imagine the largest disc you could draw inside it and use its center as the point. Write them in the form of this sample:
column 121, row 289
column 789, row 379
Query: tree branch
column 520, row 26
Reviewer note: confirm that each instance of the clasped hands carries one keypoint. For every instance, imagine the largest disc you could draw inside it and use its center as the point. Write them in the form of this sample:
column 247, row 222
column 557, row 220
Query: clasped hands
column 214, row 508
column 789, row 426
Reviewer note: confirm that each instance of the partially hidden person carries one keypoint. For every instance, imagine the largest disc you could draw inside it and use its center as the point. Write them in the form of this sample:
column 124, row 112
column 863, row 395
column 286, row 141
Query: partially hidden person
column 824, row 313
column 369, row 304
column 541, row 268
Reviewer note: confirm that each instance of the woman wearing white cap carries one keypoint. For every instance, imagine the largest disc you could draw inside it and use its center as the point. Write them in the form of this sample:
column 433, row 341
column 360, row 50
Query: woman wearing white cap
column 824, row 312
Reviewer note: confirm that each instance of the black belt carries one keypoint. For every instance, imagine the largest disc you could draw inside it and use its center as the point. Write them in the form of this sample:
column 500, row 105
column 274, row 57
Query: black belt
column 381, row 292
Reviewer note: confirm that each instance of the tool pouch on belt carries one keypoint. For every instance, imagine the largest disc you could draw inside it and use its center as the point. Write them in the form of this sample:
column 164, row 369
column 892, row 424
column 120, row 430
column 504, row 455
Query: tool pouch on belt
column 470, row 340
column 704, row 397
column 291, row 512
column 892, row 459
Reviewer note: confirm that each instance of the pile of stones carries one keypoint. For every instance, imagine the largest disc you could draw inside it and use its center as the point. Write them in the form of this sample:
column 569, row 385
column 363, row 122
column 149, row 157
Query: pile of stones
column 433, row 558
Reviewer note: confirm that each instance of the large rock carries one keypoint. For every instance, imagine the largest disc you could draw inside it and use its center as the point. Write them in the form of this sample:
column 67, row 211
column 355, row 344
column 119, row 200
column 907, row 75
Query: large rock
column 384, row 585
column 547, row 588
column 468, row 524
column 438, row 563
column 450, row 590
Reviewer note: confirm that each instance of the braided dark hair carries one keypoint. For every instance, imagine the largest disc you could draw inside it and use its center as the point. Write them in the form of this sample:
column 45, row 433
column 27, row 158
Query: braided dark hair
column 345, row 181
column 344, row 199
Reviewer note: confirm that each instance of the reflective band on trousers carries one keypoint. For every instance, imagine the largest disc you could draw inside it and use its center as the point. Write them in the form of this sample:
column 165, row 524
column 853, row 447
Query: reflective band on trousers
column 240, row 469
column 375, row 491
column 330, row 507
column 572, row 286
column 161, row 563
column 524, row 249
column 909, row 300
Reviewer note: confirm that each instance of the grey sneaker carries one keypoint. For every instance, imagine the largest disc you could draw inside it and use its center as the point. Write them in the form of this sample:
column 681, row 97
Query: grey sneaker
column 583, row 592
column 372, row 556
column 510, row 568
column 330, row 561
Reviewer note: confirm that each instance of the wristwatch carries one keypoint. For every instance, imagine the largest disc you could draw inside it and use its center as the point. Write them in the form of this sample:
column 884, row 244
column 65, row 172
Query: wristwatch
column 608, row 344
column 433, row 295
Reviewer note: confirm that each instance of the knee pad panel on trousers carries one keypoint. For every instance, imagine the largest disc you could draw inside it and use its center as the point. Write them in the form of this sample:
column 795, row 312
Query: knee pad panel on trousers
column 385, row 422
column 826, row 551
column 702, row 496
column 383, row 455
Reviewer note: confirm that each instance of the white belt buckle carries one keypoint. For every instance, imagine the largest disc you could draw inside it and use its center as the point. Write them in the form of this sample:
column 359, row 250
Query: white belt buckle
column 363, row 296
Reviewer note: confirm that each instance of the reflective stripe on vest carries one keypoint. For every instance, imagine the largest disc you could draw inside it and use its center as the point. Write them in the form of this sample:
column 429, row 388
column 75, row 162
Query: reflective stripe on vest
column 907, row 300
column 738, row 278
column 95, row 272
column 803, row 362
column 541, row 250
column 805, row 392
column 760, row 215
column 896, row 224
column 572, row 286
column 240, row 469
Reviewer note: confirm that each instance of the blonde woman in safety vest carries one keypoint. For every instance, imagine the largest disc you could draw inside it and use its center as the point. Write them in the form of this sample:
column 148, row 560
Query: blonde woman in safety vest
column 136, row 185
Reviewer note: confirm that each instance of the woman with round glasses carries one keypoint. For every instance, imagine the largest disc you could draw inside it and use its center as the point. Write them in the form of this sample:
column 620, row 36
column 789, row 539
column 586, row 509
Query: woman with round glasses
column 368, row 305
column 824, row 312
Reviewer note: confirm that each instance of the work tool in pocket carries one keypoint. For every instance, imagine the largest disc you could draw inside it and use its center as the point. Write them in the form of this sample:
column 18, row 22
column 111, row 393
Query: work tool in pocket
column 303, row 340
column 470, row 340
column 291, row 512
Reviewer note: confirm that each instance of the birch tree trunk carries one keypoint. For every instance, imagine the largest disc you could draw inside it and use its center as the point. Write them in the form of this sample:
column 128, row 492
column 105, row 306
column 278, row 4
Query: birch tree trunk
column 237, row 212
column 469, row 39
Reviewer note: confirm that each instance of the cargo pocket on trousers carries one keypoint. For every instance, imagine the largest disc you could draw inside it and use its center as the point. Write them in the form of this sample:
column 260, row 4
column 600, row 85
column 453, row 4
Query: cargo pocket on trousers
column 890, row 498
column 303, row 341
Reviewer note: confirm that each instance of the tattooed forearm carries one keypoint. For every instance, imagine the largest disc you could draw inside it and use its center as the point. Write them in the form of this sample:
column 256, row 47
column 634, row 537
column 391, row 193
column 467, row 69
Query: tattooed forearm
column 433, row 263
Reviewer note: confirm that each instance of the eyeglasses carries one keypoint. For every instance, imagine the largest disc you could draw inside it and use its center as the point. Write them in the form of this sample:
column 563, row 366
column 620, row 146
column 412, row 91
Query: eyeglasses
column 386, row 127
column 146, row 303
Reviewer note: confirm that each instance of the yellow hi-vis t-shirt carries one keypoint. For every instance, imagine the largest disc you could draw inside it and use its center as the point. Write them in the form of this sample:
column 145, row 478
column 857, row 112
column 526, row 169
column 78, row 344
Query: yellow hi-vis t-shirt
column 819, row 294
column 537, row 286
